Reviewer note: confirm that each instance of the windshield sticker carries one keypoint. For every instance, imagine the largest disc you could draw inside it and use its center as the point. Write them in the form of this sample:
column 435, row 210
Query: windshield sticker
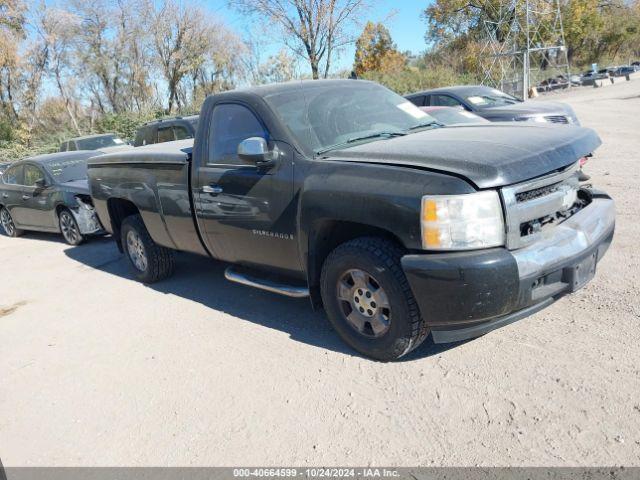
column 476, row 100
column 412, row 110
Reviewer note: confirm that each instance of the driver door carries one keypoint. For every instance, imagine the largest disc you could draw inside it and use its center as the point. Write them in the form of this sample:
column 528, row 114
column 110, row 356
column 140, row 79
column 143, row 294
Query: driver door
column 246, row 213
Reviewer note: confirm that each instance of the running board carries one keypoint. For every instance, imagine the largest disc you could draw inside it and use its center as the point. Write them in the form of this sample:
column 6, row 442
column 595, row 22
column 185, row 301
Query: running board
column 264, row 284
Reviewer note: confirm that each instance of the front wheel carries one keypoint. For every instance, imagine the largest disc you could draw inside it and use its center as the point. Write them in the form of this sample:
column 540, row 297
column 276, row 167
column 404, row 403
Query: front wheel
column 7, row 224
column 151, row 262
column 69, row 228
column 369, row 301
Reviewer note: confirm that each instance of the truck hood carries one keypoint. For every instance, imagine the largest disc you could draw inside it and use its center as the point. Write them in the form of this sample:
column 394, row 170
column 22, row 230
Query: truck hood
column 526, row 109
column 486, row 155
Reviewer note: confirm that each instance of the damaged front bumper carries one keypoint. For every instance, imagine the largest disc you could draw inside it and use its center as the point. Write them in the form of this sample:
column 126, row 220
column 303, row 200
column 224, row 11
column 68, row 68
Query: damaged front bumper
column 86, row 218
column 467, row 294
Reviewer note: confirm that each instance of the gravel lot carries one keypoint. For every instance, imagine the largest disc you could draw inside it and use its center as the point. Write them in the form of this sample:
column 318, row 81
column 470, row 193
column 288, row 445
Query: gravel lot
column 97, row 369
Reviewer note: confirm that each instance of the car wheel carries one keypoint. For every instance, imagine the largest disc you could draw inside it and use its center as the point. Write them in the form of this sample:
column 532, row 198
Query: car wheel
column 69, row 228
column 369, row 301
column 150, row 261
column 7, row 224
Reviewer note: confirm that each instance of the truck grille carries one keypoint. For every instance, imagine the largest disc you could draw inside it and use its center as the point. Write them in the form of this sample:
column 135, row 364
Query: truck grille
column 557, row 119
column 536, row 205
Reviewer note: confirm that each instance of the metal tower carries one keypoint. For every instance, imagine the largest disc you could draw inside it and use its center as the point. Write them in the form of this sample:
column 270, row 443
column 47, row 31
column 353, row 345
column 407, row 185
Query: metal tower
column 522, row 44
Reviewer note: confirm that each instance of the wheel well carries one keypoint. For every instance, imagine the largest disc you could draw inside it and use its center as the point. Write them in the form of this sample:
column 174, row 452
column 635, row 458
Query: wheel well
column 325, row 237
column 119, row 209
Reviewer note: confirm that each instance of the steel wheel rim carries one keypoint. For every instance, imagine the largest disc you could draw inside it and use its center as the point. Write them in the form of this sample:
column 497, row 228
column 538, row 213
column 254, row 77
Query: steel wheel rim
column 69, row 228
column 7, row 222
column 364, row 303
column 136, row 251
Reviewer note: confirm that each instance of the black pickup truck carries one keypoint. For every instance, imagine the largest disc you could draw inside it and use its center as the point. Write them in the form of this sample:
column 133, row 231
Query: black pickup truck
column 344, row 192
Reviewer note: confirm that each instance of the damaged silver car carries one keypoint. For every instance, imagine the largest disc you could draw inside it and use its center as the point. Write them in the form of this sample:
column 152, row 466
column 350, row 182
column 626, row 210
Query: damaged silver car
column 49, row 193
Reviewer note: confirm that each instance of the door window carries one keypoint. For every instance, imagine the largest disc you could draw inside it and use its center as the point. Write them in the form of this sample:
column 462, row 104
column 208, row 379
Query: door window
column 72, row 146
column 63, row 147
column 418, row 101
column 181, row 132
column 13, row 175
column 230, row 125
column 444, row 101
column 165, row 134
column 31, row 175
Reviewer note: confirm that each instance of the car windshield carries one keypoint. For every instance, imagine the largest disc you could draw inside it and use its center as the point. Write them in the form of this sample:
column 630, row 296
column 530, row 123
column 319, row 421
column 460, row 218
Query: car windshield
column 490, row 97
column 67, row 170
column 323, row 116
column 96, row 143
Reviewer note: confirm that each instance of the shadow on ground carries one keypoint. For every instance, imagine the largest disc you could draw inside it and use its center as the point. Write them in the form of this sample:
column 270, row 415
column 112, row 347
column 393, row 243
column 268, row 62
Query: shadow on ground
column 202, row 280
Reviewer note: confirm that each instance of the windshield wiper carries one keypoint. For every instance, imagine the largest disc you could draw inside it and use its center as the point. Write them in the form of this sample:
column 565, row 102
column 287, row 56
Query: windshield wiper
column 360, row 138
column 432, row 123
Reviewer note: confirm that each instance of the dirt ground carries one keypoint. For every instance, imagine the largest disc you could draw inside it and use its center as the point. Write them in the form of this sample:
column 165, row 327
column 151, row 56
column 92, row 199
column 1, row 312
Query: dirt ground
column 97, row 369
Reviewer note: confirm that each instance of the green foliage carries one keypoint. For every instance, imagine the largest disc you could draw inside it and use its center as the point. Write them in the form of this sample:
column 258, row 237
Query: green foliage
column 124, row 124
column 414, row 79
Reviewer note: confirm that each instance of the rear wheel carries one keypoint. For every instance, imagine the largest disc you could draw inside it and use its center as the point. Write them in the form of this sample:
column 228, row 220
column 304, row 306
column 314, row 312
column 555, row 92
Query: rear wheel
column 7, row 224
column 69, row 228
column 150, row 261
column 369, row 301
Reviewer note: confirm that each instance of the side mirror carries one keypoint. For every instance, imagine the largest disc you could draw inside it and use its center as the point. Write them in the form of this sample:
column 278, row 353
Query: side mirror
column 254, row 151
column 41, row 183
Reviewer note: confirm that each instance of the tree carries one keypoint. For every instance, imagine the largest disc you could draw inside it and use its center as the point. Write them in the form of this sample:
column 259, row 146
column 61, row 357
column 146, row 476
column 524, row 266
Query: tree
column 181, row 39
column 375, row 51
column 313, row 29
column 57, row 29
column 12, row 25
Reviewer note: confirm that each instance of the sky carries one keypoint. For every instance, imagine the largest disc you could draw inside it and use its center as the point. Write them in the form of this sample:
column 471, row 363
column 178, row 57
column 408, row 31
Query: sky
column 405, row 24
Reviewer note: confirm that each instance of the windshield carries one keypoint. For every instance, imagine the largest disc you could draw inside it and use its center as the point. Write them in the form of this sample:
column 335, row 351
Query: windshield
column 490, row 97
column 67, row 170
column 96, row 143
column 323, row 116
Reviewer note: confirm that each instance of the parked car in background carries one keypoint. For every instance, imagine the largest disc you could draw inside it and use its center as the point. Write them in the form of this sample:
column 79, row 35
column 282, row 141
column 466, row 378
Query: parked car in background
column 554, row 83
column 494, row 105
column 107, row 142
column 452, row 115
column 49, row 193
column 344, row 192
column 623, row 71
column 590, row 77
column 166, row 130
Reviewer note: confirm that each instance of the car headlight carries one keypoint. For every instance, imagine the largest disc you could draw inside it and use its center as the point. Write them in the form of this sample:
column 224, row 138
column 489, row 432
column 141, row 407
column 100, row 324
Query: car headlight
column 462, row 222
column 535, row 118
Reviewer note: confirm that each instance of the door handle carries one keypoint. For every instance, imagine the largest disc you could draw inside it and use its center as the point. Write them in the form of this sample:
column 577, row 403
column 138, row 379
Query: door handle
column 26, row 197
column 211, row 189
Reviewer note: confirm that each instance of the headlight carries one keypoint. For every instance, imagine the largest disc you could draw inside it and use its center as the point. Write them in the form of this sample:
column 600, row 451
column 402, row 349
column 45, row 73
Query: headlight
column 535, row 118
column 462, row 222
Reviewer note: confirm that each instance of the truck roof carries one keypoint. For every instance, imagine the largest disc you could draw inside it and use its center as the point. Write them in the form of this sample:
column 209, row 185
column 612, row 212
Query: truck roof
column 265, row 90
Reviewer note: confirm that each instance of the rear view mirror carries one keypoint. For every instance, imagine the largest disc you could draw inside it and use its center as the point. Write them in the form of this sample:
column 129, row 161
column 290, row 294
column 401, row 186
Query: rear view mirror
column 254, row 151
column 41, row 183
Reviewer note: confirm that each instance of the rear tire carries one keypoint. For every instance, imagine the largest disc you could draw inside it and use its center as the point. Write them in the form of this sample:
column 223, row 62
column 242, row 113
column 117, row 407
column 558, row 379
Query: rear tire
column 369, row 301
column 8, row 226
column 69, row 228
column 151, row 262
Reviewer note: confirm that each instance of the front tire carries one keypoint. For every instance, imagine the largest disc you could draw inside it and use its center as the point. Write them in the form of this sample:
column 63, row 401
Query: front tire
column 8, row 226
column 69, row 228
column 369, row 301
column 151, row 262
